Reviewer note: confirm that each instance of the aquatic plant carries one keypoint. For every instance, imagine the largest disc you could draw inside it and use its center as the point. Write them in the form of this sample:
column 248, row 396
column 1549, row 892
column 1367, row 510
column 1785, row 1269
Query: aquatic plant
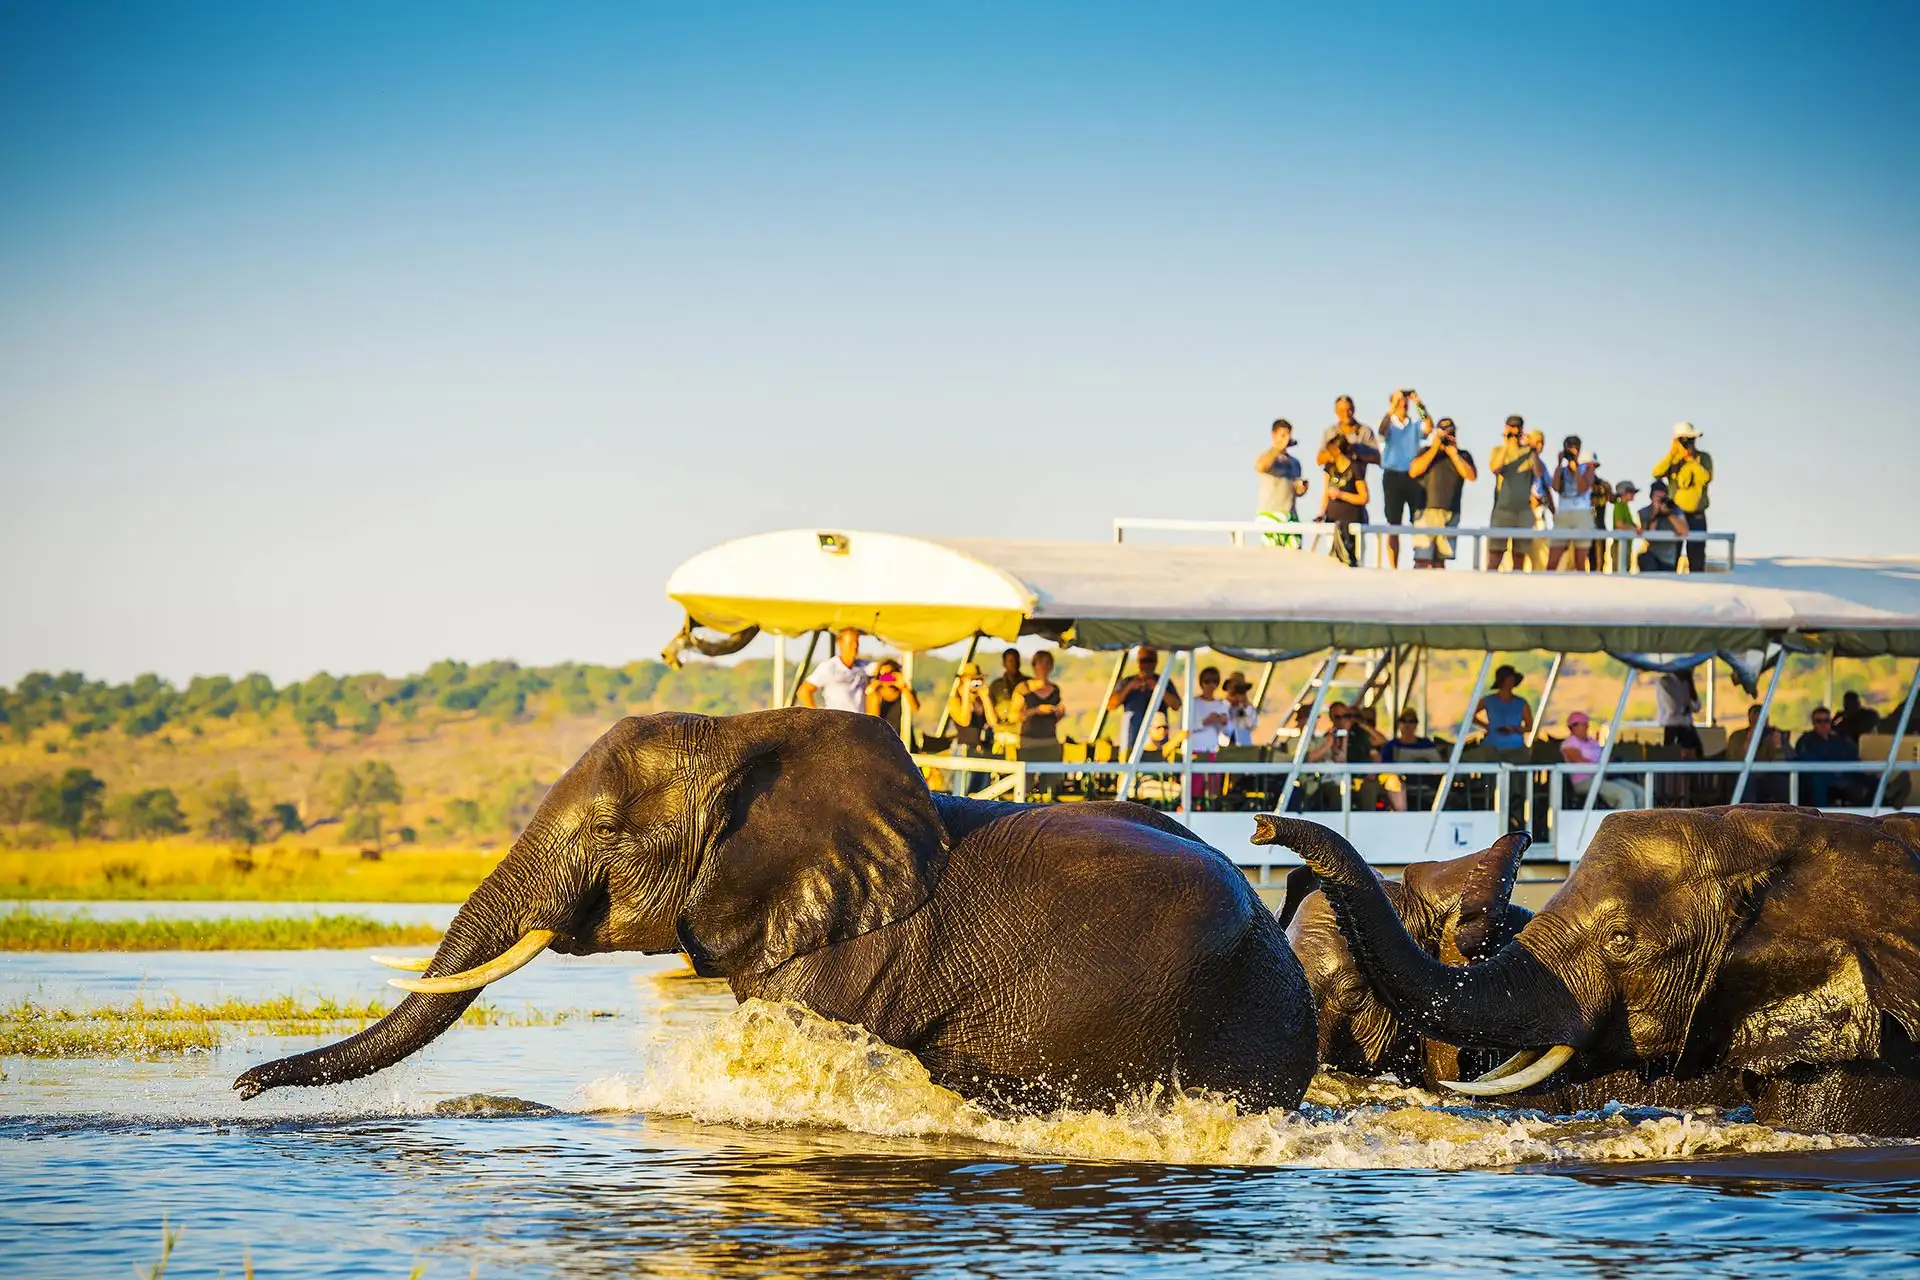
column 25, row 930
column 276, row 873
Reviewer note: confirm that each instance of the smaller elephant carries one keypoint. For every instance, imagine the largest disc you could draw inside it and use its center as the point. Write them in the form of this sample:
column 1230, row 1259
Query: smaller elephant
column 1761, row 955
column 1457, row 910
column 1029, row 954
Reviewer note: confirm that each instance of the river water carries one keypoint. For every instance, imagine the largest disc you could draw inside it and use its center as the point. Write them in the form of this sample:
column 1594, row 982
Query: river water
column 695, row 1137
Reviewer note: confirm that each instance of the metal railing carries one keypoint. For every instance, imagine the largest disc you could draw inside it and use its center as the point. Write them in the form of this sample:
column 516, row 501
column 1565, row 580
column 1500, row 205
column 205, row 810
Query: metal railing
column 1318, row 537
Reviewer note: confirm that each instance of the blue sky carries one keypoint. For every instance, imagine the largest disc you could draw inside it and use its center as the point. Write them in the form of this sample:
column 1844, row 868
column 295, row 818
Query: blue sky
column 354, row 336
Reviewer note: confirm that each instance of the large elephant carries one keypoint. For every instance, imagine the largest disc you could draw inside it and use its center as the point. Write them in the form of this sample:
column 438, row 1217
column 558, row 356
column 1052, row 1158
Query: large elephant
column 1457, row 911
column 1762, row 955
column 1030, row 954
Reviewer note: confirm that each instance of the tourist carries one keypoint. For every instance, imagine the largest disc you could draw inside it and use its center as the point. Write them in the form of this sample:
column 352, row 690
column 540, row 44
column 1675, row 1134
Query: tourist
column 970, row 712
column 1361, row 441
column 1280, row 485
column 887, row 692
column 1690, row 472
column 1762, row 788
column 1657, row 517
column 1210, row 720
column 1821, row 745
column 1039, row 705
column 1403, row 433
column 1133, row 695
column 1515, row 467
column 1676, row 701
column 1572, row 503
column 840, row 682
column 1505, row 715
column 1581, row 747
column 1407, row 746
column 1011, row 677
column 1345, row 498
column 1856, row 719
column 1540, row 503
column 1442, row 470
column 1621, row 519
column 1343, row 743
column 1242, row 718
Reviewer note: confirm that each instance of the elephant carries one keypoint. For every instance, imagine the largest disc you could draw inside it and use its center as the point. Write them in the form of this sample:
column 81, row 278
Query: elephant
column 1456, row 910
column 1764, row 956
column 1028, row 955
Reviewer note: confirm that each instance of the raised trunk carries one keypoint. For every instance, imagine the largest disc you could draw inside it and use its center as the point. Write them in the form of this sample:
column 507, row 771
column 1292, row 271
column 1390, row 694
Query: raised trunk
column 1510, row 1000
column 486, row 925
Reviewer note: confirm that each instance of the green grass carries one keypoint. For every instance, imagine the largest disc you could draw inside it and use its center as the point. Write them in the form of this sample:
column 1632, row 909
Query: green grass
column 142, row 1030
column 25, row 930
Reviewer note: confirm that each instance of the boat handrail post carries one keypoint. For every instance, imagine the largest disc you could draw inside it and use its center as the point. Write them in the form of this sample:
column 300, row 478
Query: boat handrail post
column 1306, row 730
column 1606, row 755
column 1899, row 736
column 1759, row 727
column 1459, row 747
column 1186, row 740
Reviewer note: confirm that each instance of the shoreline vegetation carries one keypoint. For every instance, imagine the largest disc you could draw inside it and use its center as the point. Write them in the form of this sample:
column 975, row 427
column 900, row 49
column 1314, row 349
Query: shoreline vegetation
column 139, row 870
column 25, row 930
column 144, row 1031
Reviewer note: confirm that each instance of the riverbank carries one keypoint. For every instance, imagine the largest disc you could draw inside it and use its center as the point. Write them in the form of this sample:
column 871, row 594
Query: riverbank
column 136, row 870
column 25, row 930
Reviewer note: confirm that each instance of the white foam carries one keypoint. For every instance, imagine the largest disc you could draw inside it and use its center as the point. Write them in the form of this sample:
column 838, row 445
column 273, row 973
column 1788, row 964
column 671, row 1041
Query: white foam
column 777, row 1064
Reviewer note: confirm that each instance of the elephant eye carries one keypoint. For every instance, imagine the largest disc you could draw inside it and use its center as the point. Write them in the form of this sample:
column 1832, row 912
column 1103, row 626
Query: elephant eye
column 1619, row 942
column 605, row 829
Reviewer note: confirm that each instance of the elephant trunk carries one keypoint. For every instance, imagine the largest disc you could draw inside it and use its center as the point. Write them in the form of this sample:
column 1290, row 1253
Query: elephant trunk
column 1510, row 1000
column 486, row 927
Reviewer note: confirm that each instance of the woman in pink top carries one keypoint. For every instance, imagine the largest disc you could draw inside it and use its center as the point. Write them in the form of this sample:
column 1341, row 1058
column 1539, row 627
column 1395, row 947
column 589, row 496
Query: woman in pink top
column 1581, row 747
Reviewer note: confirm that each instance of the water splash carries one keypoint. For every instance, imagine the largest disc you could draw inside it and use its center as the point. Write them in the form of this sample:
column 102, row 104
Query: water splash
column 778, row 1064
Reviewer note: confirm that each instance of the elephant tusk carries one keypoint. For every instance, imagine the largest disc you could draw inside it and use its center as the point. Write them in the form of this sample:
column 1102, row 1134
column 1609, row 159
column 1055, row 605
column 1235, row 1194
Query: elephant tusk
column 518, row 956
column 1522, row 1078
column 406, row 964
column 1524, row 1058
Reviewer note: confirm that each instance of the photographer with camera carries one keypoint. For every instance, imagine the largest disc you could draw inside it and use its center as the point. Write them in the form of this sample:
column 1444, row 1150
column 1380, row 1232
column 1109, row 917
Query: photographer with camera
column 887, row 692
column 1661, row 516
column 1403, row 433
column 1689, row 471
column 1442, row 470
column 970, row 712
column 1515, row 466
column 1573, row 501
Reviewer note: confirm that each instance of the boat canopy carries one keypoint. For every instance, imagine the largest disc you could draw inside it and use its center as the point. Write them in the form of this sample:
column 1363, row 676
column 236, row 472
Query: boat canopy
column 920, row 593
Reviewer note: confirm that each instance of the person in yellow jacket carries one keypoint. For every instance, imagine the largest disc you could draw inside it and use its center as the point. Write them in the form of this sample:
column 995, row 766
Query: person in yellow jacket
column 1688, row 471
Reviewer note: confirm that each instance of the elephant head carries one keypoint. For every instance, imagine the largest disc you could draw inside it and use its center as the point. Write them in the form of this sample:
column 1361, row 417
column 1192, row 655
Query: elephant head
column 1456, row 910
column 742, row 841
column 1752, row 937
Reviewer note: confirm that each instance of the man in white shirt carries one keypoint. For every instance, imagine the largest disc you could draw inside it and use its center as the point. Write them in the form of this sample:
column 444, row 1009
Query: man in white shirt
column 1212, row 717
column 839, row 683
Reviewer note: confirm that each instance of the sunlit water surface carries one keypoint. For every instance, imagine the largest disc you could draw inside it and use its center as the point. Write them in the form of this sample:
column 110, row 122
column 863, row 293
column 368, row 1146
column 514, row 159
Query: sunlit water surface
column 698, row 1138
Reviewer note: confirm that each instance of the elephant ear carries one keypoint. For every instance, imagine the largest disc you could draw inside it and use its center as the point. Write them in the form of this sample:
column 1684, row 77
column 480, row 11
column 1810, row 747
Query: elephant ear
column 1301, row 881
column 1468, row 899
column 1823, row 961
column 829, row 833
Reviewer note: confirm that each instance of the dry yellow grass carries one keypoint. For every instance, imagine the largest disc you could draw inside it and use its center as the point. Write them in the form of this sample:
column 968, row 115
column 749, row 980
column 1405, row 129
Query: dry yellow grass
column 280, row 873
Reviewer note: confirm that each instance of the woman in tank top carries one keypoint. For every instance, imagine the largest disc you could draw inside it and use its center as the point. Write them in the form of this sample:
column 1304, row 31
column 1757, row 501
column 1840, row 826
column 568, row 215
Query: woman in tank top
column 1038, row 703
column 1504, row 714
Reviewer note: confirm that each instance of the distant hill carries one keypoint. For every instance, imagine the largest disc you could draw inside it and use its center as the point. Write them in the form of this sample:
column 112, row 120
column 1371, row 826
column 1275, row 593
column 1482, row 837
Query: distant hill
column 460, row 755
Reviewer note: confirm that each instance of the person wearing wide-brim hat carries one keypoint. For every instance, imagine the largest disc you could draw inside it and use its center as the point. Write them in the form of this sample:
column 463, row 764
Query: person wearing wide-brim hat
column 1504, row 714
column 1688, row 471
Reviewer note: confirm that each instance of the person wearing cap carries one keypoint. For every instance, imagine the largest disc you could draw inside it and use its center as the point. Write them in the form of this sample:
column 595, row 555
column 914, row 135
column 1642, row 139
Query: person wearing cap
column 1505, row 715
column 1660, row 516
column 1572, row 505
column 1689, row 471
column 1622, row 518
column 1134, row 694
column 970, row 712
column 1403, row 432
column 1515, row 467
column 1442, row 470
column 1581, row 747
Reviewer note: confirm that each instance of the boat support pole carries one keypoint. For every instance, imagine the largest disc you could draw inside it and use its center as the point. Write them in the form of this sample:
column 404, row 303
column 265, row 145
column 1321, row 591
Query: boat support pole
column 1606, row 755
column 1186, row 743
column 1546, row 692
column 1459, row 746
column 1113, row 682
column 1899, row 736
column 800, row 672
column 1306, row 730
column 946, row 712
column 1759, row 728
column 779, row 671
column 1144, row 730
